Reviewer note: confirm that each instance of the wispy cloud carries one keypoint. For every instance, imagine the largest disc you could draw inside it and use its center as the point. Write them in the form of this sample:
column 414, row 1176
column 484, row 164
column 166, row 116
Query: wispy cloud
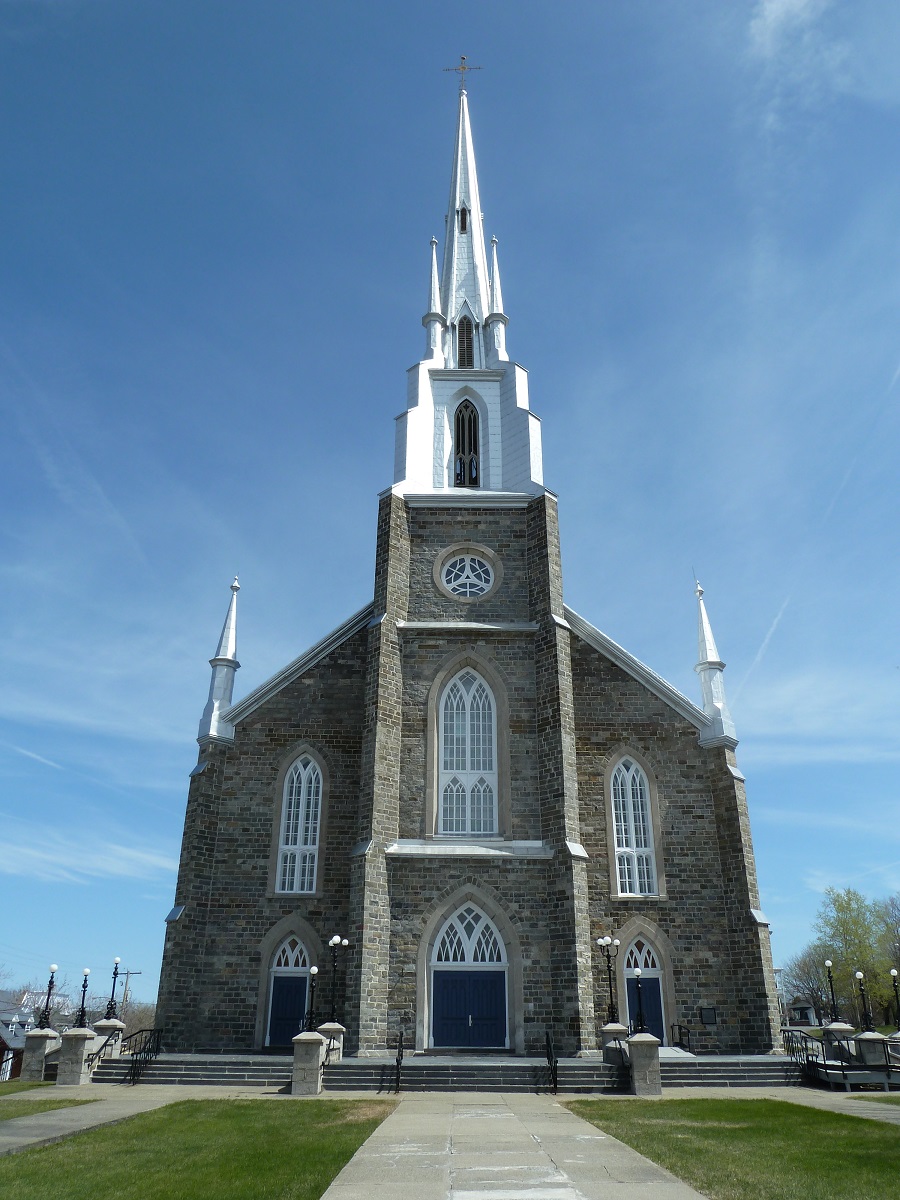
column 70, row 857
column 30, row 754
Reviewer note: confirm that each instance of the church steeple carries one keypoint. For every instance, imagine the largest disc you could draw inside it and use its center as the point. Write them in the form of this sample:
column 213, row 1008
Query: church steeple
column 224, row 664
column 467, row 429
column 721, row 731
column 464, row 278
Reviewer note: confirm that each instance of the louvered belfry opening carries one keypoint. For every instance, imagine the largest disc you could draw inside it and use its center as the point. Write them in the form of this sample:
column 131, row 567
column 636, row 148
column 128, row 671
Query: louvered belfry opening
column 466, row 473
column 463, row 220
column 465, row 350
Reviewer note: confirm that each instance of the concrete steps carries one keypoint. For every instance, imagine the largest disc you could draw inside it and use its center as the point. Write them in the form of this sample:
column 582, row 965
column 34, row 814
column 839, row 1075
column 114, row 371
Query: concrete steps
column 213, row 1070
column 727, row 1071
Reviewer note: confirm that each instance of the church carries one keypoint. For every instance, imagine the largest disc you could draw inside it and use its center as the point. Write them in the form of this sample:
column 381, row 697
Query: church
column 466, row 782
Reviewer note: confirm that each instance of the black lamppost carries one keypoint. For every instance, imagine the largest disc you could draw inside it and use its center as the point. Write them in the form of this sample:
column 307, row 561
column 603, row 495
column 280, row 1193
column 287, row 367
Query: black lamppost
column 111, row 1007
column 867, row 1015
column 639, row 1026
column 896, row 993
column 609, row 948
column 81, row 1019
column 44, row 1022
column 834, row 1012
column 336, row 943
column 310, row 1022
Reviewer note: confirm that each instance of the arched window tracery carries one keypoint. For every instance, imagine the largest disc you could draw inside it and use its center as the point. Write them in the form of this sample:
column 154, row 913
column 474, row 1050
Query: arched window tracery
column 301, row 812
column 467, row 754
column 466, row 472
column 635, row 866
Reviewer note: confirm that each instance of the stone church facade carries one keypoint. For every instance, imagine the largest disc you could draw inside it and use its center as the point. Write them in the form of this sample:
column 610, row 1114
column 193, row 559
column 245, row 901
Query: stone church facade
column 466, row 780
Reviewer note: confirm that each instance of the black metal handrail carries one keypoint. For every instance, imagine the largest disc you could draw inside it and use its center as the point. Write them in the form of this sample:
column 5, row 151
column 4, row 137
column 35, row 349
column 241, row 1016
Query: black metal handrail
column 399, row 1060
column 110, row 1040
column 144, row 1052
column 681, row 1037
column 552, row 1061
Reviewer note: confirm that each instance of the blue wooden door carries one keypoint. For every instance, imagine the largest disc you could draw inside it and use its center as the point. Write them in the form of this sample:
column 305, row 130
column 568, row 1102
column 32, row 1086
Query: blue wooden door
column 469, row 1009
column 288, row 1009
column 651, row 1002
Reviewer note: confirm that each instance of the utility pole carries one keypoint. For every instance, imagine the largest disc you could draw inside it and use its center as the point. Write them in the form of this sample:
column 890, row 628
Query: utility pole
column 124, row 1005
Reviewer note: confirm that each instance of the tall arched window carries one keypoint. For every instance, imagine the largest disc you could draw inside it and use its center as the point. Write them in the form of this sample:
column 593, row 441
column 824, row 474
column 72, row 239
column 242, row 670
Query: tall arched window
column 298, row 847
column 467, row 781
column 634, row 831
column 466, row 473
column 465, row 349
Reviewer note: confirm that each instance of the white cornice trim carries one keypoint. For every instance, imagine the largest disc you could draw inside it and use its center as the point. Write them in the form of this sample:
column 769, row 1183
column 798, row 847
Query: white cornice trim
column 465, row 498
column 240, row 711
column 469, row 373
column 459, row 848
column 471, row 626
column 636, row 669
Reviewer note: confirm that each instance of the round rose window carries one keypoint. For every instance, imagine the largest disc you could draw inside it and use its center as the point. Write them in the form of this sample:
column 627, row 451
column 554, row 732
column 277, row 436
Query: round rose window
column 467, row 575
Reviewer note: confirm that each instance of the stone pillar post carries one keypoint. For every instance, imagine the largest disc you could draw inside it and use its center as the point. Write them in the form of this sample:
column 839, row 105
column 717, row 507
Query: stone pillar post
column 103, row 1030
column 609, row 1035
column 309, row 1054
column 37, row 1043
column 871, row 1048
column 643, row 1051
column 77, row 1044
column 332, row 1032
column 836, row 1031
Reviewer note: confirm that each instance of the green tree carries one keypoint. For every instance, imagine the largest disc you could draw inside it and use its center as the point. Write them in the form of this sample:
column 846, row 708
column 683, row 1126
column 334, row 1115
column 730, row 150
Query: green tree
column 852, row 929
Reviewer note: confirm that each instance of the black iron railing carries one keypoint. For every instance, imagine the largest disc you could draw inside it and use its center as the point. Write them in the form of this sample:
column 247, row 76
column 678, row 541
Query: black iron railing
column 400, row 1047
column 681, row 1037
column 143, row 1047
column 110, row 1040
column 552, row 1062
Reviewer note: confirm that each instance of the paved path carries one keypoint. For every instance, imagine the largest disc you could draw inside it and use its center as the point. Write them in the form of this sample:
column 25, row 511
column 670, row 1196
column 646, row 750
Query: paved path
column 509, row 1146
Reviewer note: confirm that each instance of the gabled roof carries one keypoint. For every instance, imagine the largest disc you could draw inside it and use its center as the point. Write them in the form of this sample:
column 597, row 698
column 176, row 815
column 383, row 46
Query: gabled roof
column 636, row 669
column 252, row 701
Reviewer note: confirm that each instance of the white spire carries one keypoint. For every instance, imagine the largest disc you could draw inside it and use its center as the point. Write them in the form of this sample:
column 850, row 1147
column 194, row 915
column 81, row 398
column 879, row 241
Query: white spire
column 464, row 278
column 710, row 668
column 496, row 320
column 434, row 319
column 221, row 686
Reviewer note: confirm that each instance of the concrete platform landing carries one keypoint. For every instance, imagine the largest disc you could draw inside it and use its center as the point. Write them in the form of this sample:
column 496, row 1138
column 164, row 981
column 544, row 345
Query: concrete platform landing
column 463, row 1146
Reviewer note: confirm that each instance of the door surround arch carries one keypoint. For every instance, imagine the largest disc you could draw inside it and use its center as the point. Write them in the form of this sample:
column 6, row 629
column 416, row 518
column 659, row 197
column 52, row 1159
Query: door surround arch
column 640, row 927
column 489, row 904
column 304, row 932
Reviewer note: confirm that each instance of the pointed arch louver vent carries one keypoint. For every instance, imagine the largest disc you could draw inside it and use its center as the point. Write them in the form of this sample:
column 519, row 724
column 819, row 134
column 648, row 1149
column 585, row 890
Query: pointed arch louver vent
column 465, row 349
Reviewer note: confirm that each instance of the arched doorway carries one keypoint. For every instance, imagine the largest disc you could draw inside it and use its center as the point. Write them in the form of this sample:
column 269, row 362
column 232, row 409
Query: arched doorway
column 288, row 991
column 641, row 954
column 468, row 984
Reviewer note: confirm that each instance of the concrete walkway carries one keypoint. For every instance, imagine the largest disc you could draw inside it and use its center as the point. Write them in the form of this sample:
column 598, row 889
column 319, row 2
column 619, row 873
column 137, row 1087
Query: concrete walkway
column 484, row 1146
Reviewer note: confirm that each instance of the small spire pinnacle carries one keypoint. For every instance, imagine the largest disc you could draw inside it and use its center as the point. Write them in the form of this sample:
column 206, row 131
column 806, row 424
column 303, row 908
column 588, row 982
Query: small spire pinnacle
column 434, row 319
column 710, row 668
column 224, row 664
column 496, row 293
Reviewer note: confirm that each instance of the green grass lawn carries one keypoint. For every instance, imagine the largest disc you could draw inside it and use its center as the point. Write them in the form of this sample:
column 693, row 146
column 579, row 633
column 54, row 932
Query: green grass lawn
column 883, row 1098
column 757, row 1149
column 201, row 1150
column 25, row 1108
column 16, row 1085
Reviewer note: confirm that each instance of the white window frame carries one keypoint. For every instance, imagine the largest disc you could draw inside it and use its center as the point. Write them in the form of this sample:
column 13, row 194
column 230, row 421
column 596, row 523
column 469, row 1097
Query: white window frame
column 633, row 835
column 301, row 819
column 467, row 758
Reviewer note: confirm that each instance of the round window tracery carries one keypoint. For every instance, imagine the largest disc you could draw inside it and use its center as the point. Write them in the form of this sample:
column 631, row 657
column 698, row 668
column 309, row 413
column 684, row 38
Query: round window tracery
column 467, row 575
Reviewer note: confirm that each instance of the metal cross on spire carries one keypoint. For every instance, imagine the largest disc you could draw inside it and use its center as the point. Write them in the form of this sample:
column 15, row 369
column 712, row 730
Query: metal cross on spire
column 462, row 68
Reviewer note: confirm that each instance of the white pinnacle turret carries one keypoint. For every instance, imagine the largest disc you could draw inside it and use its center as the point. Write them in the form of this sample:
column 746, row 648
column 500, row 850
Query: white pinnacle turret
column 224, row 664
column 434, row 319
column 496, row 320
column 720, row 731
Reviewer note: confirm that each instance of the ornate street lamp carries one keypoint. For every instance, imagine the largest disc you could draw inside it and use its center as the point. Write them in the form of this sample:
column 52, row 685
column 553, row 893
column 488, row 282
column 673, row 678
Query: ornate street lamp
column 639, row 1026
column 896, row 993
column 310, row 1022
column 834, row 1012
column 81, row 1019
column 867, row 1014
column 609, row 948
column 111, row 1007
column 336, row 943
column 44, row 1022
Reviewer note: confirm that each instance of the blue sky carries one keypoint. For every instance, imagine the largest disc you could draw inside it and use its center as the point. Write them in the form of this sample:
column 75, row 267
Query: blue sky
column 215, row 227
